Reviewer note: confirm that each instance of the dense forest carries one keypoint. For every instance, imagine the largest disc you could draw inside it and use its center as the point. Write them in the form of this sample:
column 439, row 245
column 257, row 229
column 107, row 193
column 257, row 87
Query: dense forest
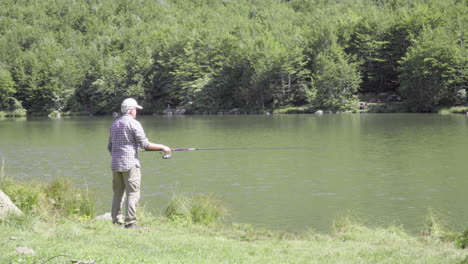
column 85, row 56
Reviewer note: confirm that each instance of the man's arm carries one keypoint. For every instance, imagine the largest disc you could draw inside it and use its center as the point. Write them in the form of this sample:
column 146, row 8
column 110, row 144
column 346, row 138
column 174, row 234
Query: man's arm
column 158, row 147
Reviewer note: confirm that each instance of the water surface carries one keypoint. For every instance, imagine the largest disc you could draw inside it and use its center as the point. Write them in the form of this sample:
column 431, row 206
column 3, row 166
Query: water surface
column 387, row 168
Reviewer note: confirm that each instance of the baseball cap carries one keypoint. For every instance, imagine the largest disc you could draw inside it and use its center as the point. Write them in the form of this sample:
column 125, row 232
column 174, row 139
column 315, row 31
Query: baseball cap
column 128, row 104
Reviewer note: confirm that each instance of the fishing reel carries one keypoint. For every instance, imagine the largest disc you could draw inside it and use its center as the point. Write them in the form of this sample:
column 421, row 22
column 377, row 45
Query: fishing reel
column 166, row 155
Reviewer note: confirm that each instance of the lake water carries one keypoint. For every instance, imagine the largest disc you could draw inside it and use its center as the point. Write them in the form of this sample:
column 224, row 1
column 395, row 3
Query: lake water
column 387, row 168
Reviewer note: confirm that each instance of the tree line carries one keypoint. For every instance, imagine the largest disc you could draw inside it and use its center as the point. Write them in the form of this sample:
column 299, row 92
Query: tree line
column 85, row 56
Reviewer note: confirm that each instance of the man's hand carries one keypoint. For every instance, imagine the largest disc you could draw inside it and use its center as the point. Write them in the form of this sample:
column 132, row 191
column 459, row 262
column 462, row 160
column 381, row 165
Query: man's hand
column 167, row 152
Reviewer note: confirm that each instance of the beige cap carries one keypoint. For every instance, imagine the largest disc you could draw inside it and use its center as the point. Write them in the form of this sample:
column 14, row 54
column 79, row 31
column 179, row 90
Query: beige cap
column 128, row 104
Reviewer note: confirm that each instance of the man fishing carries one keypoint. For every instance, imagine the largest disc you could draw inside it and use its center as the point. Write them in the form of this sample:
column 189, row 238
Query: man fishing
column 125, row 137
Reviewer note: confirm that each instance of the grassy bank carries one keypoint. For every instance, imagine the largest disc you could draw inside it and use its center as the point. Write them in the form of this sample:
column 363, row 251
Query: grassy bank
column 192, row 231
column 163, row 241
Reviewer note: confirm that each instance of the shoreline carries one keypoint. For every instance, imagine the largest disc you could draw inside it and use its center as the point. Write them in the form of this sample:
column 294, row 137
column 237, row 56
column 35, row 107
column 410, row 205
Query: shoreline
column 369, row 107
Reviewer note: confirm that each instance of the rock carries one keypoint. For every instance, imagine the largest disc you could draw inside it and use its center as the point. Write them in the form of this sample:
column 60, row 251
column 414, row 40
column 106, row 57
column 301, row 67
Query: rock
column 7, row 207
column 180, row 110
column 234, row 111
column 319, row 112
column 25, row 251
column 106, row 216
column 168, row 112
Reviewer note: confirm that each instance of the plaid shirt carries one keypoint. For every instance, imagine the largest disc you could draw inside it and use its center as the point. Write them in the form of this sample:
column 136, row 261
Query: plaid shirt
column 126, row 135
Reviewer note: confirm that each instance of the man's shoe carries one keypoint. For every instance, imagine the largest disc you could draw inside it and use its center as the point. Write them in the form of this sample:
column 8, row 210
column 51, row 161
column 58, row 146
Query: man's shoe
column 118, row 224
column 133, row 226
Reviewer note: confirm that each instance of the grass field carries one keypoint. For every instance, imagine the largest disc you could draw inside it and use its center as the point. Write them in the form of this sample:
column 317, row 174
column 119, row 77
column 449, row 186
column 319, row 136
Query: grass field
column 165, row 241
column 193, row 231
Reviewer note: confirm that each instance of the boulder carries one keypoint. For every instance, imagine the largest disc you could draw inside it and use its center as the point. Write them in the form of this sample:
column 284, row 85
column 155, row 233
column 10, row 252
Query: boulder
column 7, row 207
column 168, row 112
column 106, row 216
column 25, row 251
column 234, row 111
column 319, row 112
column 180, row 110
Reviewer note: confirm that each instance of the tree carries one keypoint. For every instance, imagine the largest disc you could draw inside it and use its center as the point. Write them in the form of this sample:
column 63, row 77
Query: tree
column 335, row 79
column 433, row 72
column 7, row 88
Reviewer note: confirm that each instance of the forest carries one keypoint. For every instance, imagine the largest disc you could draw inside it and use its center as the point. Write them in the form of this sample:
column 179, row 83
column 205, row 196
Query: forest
column 86, row 56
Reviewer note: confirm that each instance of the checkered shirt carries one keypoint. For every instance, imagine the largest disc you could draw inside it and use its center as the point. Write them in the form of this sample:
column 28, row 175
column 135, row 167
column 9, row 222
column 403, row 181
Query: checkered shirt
column 126, row 135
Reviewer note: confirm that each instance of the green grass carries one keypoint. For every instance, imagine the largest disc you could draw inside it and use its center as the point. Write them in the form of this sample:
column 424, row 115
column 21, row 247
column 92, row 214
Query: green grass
column 165, row 241
column 192, row 231
column 201, row 208
column 57, row 199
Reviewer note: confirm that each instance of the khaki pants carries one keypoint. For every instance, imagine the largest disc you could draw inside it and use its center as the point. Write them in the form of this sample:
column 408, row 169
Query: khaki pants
column 125, row 182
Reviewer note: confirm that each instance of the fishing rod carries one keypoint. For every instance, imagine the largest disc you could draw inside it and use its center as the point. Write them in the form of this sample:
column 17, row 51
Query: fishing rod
column 166, row 156
column 188, row 149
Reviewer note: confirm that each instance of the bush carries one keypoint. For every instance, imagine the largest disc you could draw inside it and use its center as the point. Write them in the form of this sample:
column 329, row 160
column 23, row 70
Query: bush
column 27, row 197
column 432, row 72
column 203, row 208
column 462, row 240
column 69, row 200
column 59, row 197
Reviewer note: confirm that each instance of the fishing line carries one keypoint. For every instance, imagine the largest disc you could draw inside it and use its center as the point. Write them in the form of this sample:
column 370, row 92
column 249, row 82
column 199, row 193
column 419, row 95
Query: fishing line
column 166, row 156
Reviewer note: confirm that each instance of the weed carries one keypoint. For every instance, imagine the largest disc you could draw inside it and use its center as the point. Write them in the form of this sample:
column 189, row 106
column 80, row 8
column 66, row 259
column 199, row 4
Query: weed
column 59, row 198
column 2, row 174
column 178, row 208
column 202, row 208
column 69, row 200
column 435, row 224
column 27, row 197
column 346, row 222
column 462, row 240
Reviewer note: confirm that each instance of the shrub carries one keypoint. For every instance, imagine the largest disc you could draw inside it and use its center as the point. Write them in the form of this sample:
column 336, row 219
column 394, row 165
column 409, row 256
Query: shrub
column 27, row 197
column 202, row 208
column 69, row 200
column 462, row 240
column 59, row 197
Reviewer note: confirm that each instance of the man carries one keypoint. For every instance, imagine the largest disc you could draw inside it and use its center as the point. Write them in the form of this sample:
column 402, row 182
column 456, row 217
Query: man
column 126, row 136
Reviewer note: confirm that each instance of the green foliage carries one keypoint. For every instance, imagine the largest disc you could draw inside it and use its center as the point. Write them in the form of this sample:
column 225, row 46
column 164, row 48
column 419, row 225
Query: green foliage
column 7, row 87
column 435, row 224
column 27, row 198
column 433, row 71
column 454, row 110
column 203, row 208
column 59, row 197
column 335, row 79
column 69, row 200
column 86, row 56
column 462, row 240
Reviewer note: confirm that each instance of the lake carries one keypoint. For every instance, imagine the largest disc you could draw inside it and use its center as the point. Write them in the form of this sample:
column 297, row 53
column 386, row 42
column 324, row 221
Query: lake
column 386, row 168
